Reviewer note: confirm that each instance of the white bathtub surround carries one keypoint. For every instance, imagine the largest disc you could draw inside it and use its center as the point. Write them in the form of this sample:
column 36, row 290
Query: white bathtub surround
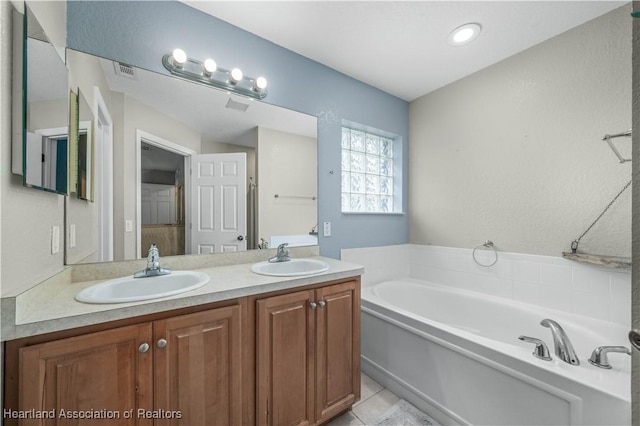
column 442, row 340
column 547, row 281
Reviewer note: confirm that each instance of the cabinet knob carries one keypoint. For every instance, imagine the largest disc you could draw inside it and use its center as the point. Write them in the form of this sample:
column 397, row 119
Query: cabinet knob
column 322, row 303
column 143, row 348
column 161, row 343
column 313, row 305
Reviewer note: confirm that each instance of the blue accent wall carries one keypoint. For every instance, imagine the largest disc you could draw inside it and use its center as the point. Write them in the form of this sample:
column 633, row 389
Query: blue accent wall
column 141, row 32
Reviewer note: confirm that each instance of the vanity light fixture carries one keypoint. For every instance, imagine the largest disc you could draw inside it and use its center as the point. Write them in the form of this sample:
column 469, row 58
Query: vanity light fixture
column 179, row 57
column 210, row 67
column 208, row 72
column 464, row 34
column 236, row 75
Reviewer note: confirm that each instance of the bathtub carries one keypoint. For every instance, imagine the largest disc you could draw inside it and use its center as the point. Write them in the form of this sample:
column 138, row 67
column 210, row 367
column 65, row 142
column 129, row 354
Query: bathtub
column 455, row 354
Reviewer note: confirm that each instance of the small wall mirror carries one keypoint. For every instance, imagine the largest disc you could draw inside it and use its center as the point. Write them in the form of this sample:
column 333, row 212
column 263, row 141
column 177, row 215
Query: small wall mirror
column 45, row 112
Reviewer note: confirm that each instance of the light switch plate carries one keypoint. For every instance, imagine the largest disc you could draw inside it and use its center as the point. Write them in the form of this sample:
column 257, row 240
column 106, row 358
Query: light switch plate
column 55, row 239
column 72, row 235
column 326, row 229
column 128, row 226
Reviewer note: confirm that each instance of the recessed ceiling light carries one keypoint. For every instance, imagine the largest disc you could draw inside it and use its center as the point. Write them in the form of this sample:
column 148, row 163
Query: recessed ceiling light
column 464, row 34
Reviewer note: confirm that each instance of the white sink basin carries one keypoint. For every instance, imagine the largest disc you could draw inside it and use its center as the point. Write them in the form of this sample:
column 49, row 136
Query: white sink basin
column 291, row 268
column 129, row 289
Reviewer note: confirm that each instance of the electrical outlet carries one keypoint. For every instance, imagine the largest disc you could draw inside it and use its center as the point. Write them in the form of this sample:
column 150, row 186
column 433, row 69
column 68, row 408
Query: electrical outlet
column 128, row 226
column 72, row 235
column 326, row 229
column 55, row 239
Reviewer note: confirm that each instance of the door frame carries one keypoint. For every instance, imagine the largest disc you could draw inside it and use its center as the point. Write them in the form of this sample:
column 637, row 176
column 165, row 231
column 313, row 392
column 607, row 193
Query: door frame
column 50, row 135
column 167, row 145
column 103, row 176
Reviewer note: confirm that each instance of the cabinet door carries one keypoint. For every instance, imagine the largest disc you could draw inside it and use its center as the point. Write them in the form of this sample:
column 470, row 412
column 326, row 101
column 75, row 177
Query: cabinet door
column 285, row 360
column 338, row 348
column 100, row 374
column 198, row 370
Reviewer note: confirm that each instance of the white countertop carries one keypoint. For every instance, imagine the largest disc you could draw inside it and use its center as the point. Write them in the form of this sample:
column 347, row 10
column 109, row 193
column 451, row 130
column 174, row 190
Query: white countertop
column 51, row 305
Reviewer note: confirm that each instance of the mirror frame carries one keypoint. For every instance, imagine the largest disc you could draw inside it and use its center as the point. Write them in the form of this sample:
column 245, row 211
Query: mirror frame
column 20, row 159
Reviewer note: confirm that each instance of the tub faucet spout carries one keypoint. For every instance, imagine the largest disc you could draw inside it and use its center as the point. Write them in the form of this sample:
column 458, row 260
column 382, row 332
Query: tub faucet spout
column 562, row 345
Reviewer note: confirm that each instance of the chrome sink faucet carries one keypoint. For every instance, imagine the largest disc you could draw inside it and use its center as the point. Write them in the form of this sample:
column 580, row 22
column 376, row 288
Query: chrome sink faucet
column 562, row 345
column 282, row 254
column 153, row 268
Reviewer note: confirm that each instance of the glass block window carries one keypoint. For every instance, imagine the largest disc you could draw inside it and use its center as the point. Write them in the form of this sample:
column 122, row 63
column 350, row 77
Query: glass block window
column 367, row 172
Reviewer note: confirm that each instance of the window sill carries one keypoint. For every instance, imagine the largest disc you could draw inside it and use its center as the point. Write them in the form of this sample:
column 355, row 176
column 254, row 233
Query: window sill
column 375, row 213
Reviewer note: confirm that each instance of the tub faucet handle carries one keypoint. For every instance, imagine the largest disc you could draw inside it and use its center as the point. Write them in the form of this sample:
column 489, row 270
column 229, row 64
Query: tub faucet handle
column 599, row 355
column 541, row 351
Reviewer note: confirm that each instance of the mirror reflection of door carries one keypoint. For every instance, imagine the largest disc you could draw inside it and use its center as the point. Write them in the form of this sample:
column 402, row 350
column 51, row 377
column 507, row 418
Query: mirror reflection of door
column 162, row 200
column 218, row 203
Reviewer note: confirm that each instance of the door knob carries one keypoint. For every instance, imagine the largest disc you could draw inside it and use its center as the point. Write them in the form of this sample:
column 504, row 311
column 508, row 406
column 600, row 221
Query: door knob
column 322, row 303
column 313, row 305
column 143, row 348
column 240, row 238
column 161, row 343
column 634, row 338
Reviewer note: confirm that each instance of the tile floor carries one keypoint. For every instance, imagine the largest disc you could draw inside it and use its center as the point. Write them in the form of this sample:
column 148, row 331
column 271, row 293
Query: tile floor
column 374, row 401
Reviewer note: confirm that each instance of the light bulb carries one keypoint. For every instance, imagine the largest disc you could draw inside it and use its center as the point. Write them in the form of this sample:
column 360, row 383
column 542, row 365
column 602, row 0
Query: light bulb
column 261, row 83
column 236, row 75
column 464, row 34
column 210, row 66
column 179, row 57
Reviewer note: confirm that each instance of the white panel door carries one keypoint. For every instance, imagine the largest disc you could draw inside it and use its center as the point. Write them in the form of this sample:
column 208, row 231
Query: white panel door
column 158, row 204
column 218, row 203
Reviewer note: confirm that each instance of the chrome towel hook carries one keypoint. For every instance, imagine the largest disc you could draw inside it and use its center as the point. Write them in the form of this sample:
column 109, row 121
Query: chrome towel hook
column 487, row 244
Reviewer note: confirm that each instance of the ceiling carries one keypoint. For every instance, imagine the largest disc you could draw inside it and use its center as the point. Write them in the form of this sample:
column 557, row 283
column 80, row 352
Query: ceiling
column 401, row 46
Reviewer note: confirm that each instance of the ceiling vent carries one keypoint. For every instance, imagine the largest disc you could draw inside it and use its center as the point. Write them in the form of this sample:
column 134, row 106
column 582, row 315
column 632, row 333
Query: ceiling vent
column 124, row 70
column 238, row 106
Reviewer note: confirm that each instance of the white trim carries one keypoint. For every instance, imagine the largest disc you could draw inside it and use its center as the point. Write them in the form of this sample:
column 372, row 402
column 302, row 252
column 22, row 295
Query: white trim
column 376, row 213
column 176, row 149
column 53, row 132
column 104, row 179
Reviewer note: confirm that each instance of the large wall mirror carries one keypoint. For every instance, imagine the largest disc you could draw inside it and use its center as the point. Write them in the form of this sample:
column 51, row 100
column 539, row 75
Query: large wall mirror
column 44, row 157
column 168, row 134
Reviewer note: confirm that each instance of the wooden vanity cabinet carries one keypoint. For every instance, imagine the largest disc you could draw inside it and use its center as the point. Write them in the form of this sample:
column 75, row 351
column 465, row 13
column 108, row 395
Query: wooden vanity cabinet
column 308, row 354
column 188, row 364
column 290, row 357
column 198, row 367
column 101, row 371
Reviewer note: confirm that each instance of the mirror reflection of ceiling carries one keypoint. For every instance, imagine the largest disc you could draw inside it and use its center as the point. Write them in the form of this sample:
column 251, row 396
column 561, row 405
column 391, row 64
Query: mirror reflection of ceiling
column 206, row 109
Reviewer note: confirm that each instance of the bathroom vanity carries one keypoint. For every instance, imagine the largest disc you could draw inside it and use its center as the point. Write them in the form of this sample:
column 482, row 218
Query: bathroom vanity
column 243, row 349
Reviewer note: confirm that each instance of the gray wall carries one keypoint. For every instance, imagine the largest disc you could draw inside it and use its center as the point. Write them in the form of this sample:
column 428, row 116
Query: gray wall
column 140, row 33
column 513, row 153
